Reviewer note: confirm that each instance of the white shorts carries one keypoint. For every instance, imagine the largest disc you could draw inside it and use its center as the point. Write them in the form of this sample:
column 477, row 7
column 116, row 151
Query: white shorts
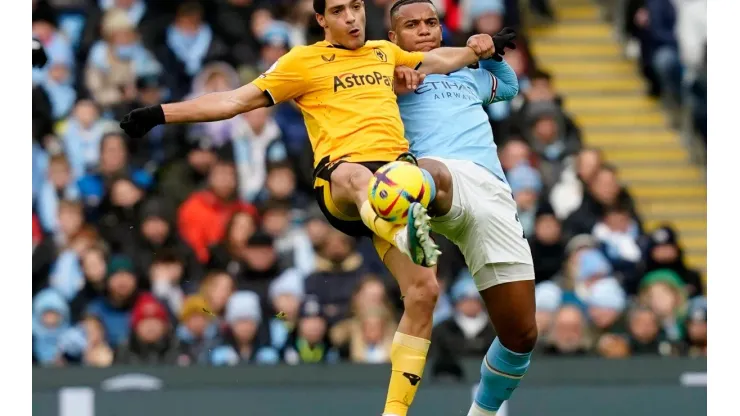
column 483, row 220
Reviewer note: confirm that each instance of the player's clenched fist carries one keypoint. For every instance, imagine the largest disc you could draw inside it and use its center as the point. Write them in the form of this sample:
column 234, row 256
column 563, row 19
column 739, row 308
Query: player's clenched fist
column 482, row 45
column 138, row 122
column 407, row 79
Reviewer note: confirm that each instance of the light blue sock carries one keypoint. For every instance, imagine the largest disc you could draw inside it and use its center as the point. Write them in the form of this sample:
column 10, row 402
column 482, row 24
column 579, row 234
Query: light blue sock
column 501, row 372
column 432, row 186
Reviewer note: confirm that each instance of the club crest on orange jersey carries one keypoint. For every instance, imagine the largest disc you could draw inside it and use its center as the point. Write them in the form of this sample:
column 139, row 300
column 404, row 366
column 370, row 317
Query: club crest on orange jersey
column 328, row 58
column 380, row 54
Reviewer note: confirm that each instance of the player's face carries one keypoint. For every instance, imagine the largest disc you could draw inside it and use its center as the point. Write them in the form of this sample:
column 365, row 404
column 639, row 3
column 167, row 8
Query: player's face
column 344, row 22
column 416, row 28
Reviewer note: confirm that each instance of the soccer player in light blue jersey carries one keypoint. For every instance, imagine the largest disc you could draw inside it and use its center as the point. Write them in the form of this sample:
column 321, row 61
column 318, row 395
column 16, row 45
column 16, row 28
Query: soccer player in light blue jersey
column 448, row 131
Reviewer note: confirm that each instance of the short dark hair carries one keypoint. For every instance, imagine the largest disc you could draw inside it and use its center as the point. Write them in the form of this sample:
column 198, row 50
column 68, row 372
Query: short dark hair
column 541, row 74
column 319, row 6
column 400, row 3
column 190, row 8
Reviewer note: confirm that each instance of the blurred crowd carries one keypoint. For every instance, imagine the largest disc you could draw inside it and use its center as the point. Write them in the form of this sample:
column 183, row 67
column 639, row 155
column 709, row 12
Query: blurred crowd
column 670, row 39
column 201, row 244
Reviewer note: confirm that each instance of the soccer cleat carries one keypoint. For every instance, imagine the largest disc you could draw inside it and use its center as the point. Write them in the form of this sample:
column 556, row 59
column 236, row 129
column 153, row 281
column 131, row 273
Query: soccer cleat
column 422, row 249
column 409, row 158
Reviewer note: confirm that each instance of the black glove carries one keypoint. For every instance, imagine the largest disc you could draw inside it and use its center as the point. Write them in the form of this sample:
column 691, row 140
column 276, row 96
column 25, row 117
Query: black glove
column 38, row 57
column 138, row 122
column 502, row 40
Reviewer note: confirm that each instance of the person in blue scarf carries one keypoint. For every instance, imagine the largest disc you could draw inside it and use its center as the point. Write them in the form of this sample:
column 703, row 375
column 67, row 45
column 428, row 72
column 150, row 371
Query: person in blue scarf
column 190, row 44
column 59, row 86
column 57, row 47
column 82, row 135
column 59, row 185
column 50, row 321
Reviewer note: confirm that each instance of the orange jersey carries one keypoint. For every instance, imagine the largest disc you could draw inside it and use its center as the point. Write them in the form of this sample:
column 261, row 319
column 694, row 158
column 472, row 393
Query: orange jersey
column 346, row 97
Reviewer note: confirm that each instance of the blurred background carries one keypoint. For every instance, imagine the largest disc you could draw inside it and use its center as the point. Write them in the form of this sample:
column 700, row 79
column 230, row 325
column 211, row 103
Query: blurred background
column 200, row 246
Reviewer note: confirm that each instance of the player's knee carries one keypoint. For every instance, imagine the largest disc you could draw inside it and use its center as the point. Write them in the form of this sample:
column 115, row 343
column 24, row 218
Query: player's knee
column 349, row 180
column 522, row 339
column 423, row 293
column 441, row 175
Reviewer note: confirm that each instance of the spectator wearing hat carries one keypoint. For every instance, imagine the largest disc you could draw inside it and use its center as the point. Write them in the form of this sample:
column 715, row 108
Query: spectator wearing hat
column 202, row 218
column 548, row 249
column 189, row 44
column 526, row 185
column 664, row 252
column 50, row 321
column 115, row 62
column 592, row 267
column 59, row 185
column 286, row 294
column 309, row 342
column 115, row 307
column 198, row 331
column 468, row 333
column 664, row 293
column 114, row 164
column 94, row 262
column 275, row 42
column 605, row 303
column 82, row 136
column 339, row 269
column 548, row 298
column 484, row 16
column 151, row 341
column 695, row 344
column 241, row 344
column 155, row 233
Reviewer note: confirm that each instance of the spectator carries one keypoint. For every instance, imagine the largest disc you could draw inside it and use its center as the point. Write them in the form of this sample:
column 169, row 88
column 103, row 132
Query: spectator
column 526, row 186
column 114, row 308
column 548, row 249
column 94, row 262
column 59, row 87
column 259, row 265
column 197, row 332
column 241, row 343
column 275, row 43
column 115, row 62
column 50, row 320
column 257, row 144
column 548, row 298
column 291, row 241
column 85, row 344
column 151, row 341
column 240, row 228
column 216, row 288
column 202, row 218
column 663, row 252
column 82, row 136
column 121, row 206
column 606, row 302
column 513, row 153
column 281, row 185
column 215, row 77
column 229, row 23
column 156, row 233
column 309, row 341
column 645, row 335
column 567, row 194
column 696, row 328
column 613, row 346
column 468, row 333
column 662, row 45
column 618, row 233
column 569, row 333
column 45, row 29
column 189, row 44
column 66, row 274
column 286, row 294
column 59, row 185
column 592, row 267
column 114, row 164
column 166, row 280
column 181, row 178
column 664, row 293
column 339, row 269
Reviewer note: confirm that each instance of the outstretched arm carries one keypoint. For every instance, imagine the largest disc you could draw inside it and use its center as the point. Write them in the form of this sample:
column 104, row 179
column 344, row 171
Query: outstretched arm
column 507, row 84
column 446, row 60
column 216, row 106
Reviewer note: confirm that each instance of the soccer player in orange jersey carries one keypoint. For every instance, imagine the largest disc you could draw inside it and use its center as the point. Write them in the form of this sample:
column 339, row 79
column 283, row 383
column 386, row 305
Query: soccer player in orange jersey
column 344, row 88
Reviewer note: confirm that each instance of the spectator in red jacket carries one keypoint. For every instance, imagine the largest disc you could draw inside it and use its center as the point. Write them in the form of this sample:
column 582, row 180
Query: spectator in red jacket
column 203, row 217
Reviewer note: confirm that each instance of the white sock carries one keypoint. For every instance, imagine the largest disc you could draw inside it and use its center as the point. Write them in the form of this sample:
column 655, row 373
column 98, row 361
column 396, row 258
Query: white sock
column 477, row 411
column 402, row 241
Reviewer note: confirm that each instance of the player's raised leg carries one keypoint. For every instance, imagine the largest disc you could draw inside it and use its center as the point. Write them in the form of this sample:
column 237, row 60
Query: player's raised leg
column 349, row 183
column 411, row 343
column 508, row 292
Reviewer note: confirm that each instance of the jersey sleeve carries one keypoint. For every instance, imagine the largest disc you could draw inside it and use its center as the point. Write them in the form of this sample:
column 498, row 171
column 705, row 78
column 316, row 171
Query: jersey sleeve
column 284, row 80
column 403, row 58
column 486, row 84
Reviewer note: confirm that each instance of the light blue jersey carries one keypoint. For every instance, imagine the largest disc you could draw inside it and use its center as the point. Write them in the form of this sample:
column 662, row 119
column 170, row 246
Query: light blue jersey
column 445, row 117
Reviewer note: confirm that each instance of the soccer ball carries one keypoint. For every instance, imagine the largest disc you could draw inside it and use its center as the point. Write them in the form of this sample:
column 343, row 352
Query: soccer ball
column 394, row 187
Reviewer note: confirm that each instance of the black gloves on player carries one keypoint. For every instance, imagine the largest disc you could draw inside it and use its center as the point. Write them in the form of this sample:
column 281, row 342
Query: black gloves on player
column 38, row 57
column 502, row 40
column 138, row 122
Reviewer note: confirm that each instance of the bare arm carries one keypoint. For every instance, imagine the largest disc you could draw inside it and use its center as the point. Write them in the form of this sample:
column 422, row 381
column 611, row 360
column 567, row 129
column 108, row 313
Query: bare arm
column 216, row 106
column 446, row 60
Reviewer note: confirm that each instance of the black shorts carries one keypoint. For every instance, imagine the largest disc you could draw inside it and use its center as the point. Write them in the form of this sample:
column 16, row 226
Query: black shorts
column 352, row 226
